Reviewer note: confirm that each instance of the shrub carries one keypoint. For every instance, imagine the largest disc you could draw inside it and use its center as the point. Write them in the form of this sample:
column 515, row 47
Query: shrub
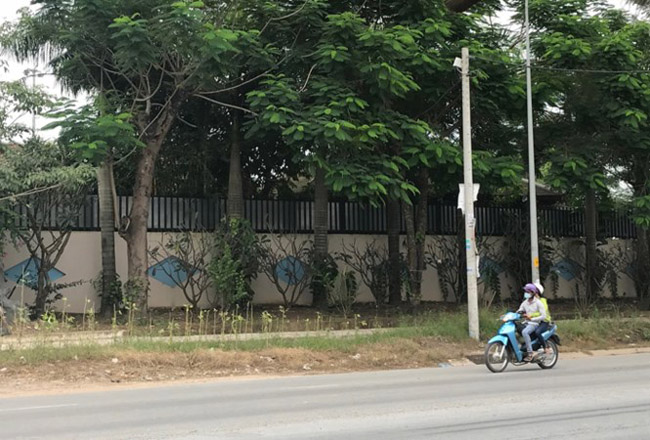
column 344, row 292
column 286, row 260
column 371, row 262
column 189, row 256
column 235, row 263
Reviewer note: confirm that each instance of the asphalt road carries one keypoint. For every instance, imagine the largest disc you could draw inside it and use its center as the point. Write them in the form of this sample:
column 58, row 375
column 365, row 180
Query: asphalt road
column 593, row 398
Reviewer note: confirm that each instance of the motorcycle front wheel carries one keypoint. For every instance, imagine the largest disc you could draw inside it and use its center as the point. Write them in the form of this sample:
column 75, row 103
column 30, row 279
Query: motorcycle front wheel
column 496, row 357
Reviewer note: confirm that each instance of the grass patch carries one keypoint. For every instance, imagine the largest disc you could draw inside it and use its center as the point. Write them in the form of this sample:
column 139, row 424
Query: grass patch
column 440, row 326
column 602, row 333
column 427, row 329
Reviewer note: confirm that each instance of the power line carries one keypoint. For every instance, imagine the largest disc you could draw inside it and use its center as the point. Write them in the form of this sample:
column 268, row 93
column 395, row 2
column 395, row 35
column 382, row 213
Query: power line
column 563, row 69
column 560, row 69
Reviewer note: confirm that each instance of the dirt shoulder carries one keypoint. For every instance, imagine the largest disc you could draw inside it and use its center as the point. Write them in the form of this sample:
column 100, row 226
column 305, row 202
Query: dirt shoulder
column 125, row 368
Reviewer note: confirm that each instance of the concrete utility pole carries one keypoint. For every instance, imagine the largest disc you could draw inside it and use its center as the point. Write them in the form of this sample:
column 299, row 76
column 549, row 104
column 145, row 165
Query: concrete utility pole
column 470, row 222
column 532, row 190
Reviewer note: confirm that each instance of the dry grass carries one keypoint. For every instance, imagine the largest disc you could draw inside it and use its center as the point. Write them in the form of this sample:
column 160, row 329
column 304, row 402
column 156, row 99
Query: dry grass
column 423, row 341
column 129, row 365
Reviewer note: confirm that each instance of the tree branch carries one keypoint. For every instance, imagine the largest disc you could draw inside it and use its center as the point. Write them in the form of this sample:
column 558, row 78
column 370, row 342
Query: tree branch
column 30, row 192
column 214, row 101
column 304, row 86
column 297, row 11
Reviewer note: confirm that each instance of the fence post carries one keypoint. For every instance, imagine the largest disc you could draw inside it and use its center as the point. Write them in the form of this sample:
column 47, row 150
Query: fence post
column 343, row 227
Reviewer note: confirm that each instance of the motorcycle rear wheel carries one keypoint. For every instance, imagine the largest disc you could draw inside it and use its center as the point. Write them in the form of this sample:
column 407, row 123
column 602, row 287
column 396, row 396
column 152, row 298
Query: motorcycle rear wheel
column 497, row 357
column 550, row 359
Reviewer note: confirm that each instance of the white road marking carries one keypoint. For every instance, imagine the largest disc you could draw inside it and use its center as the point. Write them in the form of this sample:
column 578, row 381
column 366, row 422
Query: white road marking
column 314, row 387
column 29, row 408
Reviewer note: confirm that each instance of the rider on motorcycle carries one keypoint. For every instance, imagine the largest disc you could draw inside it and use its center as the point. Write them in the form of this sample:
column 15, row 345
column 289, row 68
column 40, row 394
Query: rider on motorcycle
column 544, row 325
column 534, row 312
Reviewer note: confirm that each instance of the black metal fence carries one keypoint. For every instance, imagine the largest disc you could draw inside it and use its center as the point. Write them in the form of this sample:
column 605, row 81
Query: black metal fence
column 174, row 213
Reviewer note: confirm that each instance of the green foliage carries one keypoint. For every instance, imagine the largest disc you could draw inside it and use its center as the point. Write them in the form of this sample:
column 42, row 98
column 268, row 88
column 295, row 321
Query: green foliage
column 642, row 210
column 37, row 166
column 145, row 58
column 228, row 279
column 596, row 134
column 32, row 164
column 323, row 273
column 115, row 292
column 343, row 292
column 603, row 116
column 132, row 291
column 339, row 115
column 236, row 257
column 18, row 99
column 95, row 135
column 43, row 181
column 134, row 45
column 367, row 94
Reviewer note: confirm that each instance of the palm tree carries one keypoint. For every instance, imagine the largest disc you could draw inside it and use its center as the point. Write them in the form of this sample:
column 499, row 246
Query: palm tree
column 394, row 258
column 644, row 5
column 321, row 226
column 235, row 205
column 107, row 201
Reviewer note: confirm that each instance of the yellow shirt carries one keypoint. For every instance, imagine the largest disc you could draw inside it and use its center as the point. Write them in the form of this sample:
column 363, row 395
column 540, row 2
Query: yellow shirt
column 548, row 312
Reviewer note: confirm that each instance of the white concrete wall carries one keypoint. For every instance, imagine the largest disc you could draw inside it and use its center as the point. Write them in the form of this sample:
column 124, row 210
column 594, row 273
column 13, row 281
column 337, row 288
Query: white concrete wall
column 82, row 261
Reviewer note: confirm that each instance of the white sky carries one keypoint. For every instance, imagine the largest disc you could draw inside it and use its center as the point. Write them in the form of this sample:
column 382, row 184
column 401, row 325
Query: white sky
column 8, row 9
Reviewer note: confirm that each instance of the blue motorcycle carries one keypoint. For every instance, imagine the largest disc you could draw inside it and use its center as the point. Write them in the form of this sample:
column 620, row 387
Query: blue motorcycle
column 504, row 348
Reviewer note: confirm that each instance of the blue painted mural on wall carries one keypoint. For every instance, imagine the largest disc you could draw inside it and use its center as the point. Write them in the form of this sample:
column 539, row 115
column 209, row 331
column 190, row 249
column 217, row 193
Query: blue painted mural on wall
column 487, row 263
column 566, row 268
column 290, row 270
column 169, row 271
column 26, row 272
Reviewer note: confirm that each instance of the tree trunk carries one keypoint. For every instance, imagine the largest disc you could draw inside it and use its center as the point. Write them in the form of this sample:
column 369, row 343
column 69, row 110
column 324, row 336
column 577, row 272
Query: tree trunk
column 40, row 301
column 137, row 287
column 321, row 225
column 394, row 260
column 3, row 280
column 107, row 228
column 134, row 228
column 421, row 228
column 642, row 278
column 411, row 252
column 591, row 252
column 642, row 281
column 415, row 218
column 235, row 188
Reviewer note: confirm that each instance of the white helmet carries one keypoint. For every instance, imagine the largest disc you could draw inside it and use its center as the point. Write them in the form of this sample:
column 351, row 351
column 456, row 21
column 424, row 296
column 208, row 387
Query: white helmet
column 539, row 287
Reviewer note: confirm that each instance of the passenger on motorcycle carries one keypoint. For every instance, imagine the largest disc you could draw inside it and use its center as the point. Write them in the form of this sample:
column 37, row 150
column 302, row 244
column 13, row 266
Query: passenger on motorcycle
column 534, row 312
column 544, row 325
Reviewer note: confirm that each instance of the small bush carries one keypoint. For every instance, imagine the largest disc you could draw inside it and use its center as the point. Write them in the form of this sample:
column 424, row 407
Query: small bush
column 344, row 292
column 235, row 263
column 189, row 253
